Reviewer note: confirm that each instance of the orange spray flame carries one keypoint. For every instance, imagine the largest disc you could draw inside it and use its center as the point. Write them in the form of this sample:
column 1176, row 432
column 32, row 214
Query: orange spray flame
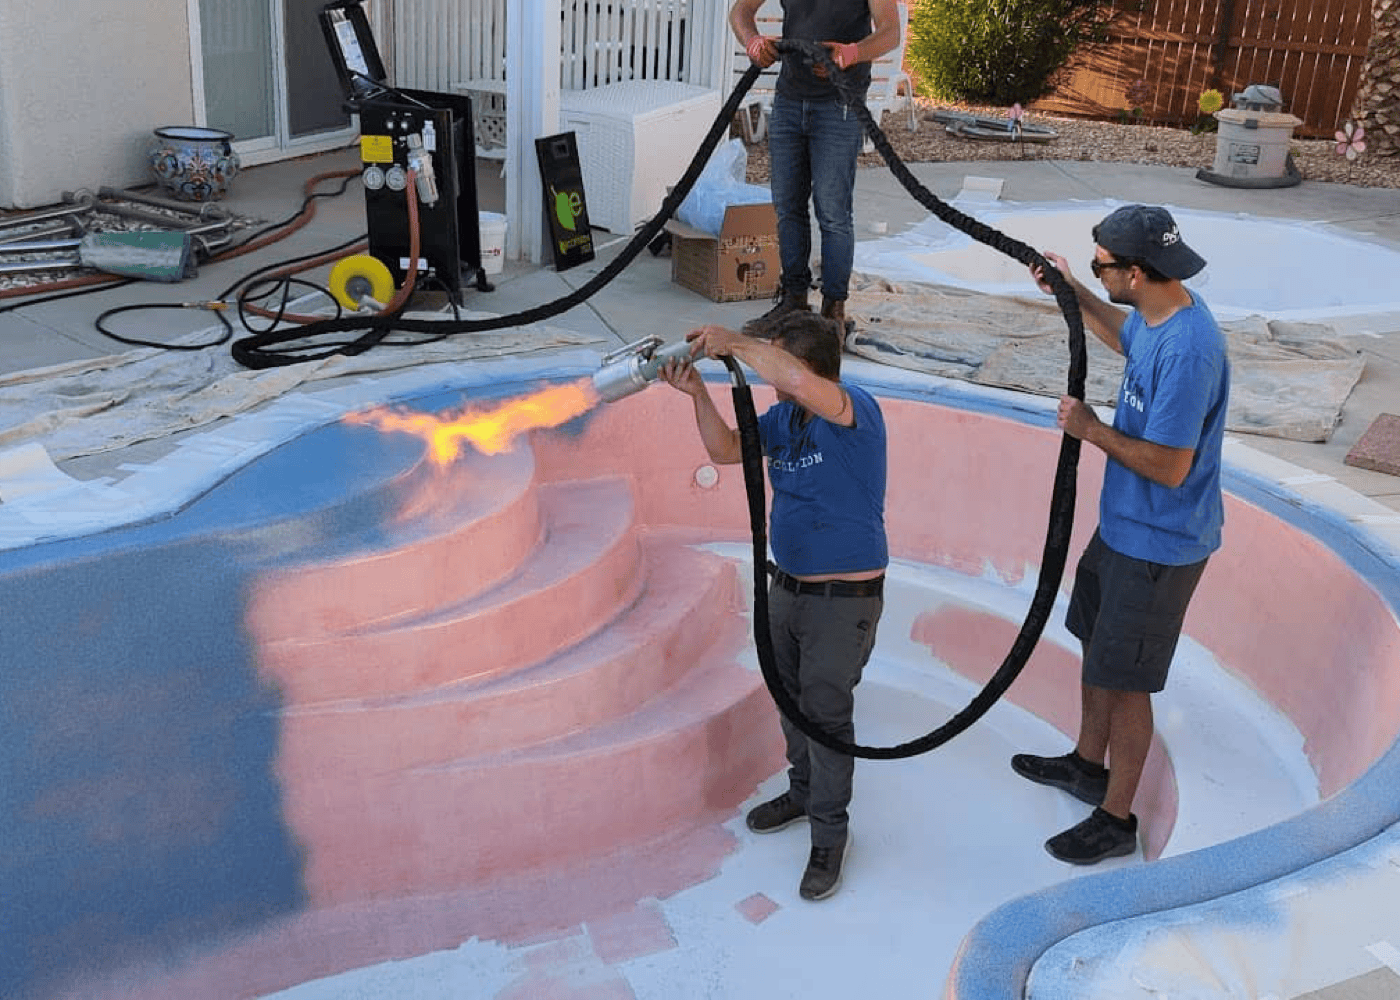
column 491, row 430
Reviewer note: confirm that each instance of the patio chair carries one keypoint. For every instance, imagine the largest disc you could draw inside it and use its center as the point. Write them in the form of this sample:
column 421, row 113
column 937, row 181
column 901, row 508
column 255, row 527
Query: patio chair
column 888, row 79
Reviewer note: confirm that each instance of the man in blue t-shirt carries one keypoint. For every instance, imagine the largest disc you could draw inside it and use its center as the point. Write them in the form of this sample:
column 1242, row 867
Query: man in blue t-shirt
column 1160, row 513
column 825, row 444
column 814, row 140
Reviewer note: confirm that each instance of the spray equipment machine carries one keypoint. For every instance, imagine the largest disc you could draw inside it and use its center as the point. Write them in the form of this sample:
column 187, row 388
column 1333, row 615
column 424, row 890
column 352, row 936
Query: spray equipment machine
column 632, row 368
column 424, row 131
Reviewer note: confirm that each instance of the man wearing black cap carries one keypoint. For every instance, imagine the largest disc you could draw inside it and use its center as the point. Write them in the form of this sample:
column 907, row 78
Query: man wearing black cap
column 1160, row 513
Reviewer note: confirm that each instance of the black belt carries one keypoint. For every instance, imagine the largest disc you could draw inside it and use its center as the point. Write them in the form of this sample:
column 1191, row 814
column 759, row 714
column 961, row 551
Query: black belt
column 830, row 588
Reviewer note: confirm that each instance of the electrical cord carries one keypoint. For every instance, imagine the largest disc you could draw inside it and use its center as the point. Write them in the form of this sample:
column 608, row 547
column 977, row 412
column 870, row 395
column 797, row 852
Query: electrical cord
column 272, row 233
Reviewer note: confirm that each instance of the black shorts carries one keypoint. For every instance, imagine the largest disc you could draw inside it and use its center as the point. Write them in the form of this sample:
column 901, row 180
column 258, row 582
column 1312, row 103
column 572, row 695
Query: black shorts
column 1128, row 613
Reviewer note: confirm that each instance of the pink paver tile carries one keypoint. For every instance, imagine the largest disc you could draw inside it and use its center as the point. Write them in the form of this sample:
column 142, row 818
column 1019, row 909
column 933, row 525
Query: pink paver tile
column 1379, row 448
column 631, row 934
column 756, row 908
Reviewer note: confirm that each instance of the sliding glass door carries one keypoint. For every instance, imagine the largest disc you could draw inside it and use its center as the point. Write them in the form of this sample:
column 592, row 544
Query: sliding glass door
column 265, row 75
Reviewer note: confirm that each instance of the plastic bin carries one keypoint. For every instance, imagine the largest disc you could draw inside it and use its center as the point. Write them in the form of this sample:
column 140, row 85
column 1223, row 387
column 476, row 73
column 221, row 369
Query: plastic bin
column 1253, row 144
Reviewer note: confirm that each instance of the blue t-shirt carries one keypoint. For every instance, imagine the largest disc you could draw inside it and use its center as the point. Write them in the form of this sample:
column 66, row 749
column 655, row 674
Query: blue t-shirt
column 828, row 488
column 1175, row 389
column 822, row 21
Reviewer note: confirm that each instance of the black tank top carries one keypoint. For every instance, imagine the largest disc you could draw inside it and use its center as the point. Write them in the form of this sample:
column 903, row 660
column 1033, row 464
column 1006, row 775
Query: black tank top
column 822, row 21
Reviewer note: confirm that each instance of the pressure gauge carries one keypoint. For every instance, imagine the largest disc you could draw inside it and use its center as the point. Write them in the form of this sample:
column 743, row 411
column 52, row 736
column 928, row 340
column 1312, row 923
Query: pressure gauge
column 396, row 177
column 374, row 177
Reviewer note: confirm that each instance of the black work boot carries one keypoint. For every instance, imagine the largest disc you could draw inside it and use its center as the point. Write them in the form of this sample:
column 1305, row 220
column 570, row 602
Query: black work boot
column 835, row 310
column 786, row 300
column 823, row 875
column 775, row 814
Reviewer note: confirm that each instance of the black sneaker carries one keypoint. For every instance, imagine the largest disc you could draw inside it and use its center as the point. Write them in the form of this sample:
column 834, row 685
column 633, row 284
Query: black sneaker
column 1069, row 773
column 1102, row 835
column 774, row 814
column 823, row 875
column 786, row 302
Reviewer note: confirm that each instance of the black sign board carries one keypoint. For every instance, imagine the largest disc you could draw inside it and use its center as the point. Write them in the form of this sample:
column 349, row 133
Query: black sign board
column 564, row 205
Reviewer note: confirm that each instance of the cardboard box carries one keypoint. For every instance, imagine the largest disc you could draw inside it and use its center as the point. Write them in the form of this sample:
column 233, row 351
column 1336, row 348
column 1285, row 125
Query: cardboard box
column 741, row 263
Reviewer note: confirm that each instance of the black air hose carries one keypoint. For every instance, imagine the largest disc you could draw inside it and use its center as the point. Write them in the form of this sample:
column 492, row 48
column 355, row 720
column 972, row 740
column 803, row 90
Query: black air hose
column 1056, row 550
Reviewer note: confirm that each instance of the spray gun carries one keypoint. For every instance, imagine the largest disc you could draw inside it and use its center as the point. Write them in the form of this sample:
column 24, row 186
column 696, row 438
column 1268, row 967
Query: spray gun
column 632, row 368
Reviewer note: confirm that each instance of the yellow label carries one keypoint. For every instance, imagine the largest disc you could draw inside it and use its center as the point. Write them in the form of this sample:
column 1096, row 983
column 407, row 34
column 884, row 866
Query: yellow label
column 377, row 148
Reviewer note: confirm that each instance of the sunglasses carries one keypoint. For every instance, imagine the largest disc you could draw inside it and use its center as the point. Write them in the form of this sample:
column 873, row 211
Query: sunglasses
column 1100, row 266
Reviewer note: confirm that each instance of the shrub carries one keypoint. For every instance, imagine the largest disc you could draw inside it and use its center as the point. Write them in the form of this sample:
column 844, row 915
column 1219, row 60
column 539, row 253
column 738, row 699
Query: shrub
column 998, row 51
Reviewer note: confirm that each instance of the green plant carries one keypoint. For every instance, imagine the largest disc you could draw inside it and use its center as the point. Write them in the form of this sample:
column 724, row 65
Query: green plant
column 998, row 51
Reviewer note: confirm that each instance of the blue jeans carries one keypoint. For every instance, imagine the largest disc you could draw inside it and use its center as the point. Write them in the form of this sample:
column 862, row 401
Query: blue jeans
column 812, row 149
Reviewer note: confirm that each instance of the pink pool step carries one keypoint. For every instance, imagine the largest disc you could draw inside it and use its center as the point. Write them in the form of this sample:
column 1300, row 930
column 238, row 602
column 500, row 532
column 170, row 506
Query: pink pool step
column 691, row 755
column 583, row 572
column 691, row 601
column 452, row 534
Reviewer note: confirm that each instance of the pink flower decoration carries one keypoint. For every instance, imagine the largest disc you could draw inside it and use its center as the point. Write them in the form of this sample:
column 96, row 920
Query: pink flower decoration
column 1351, row 140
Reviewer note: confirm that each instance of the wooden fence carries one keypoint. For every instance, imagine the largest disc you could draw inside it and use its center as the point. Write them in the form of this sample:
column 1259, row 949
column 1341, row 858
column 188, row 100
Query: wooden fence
column 1312, row 50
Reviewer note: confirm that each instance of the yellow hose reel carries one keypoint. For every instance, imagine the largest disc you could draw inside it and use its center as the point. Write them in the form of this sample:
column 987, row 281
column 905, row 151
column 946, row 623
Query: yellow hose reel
column 360, row 281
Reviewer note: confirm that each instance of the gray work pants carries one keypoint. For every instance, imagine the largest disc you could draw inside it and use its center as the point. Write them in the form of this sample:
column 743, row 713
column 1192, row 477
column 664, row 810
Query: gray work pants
column 820, row 646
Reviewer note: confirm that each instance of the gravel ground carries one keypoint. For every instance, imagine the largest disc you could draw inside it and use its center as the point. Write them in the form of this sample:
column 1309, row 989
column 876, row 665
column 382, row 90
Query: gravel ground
column 1079, row 139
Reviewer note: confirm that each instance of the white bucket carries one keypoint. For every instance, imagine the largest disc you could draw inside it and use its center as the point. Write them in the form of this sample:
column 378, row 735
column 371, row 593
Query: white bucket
column 493, row 241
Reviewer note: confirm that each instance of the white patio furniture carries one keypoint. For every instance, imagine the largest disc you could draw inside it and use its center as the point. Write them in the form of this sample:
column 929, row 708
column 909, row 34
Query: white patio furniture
column 635, row 139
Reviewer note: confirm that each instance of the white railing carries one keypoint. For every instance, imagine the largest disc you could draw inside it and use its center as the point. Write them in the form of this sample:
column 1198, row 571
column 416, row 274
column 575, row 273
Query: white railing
column 437, row 43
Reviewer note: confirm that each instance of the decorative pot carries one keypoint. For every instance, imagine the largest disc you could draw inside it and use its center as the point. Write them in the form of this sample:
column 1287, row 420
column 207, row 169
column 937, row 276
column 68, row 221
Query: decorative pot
column 194, row 163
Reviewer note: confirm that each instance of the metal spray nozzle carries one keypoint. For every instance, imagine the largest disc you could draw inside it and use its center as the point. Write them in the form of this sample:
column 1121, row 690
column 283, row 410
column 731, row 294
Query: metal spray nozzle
column 632, row 368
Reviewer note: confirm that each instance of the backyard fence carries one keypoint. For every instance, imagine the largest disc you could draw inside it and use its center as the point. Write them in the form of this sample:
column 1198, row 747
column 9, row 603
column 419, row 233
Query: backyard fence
column 1312, row 50
column 438, row 42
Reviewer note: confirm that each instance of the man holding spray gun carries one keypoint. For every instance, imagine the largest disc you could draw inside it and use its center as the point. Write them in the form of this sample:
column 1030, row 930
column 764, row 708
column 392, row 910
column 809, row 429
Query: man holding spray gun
column 825, row 444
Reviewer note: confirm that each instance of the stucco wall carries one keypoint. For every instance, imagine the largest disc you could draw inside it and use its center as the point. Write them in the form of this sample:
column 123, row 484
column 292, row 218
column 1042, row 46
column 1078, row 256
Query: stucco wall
column 81, row 87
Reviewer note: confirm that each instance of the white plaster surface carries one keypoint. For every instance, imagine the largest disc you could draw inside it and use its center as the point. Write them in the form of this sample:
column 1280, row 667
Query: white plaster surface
column 1281, row 269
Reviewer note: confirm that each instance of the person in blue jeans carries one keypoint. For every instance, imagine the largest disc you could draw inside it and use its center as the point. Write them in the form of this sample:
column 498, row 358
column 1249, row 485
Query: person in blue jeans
column 814, row 139
column 1160, row 513
column 824, row 441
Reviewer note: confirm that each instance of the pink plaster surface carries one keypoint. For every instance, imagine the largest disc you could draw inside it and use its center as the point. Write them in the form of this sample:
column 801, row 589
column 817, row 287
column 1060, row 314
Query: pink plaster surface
column 459, row 529
column 584, row 570
column 691, row 602
column 590, row 698
column 756, row 908
column 566, row 970
column 640, row 931
column 1314, row 639
column 526, row 908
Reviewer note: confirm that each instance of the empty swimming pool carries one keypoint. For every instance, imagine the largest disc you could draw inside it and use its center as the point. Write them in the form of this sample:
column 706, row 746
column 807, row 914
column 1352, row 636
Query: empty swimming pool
column 350, row 724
